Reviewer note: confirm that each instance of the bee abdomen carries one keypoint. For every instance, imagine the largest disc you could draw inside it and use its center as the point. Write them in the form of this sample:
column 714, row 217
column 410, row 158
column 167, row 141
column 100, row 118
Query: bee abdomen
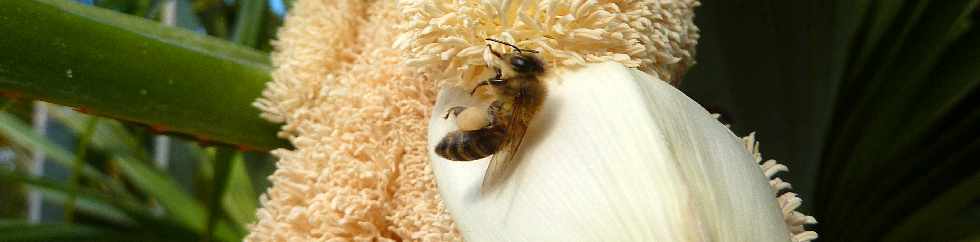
column 470, row 145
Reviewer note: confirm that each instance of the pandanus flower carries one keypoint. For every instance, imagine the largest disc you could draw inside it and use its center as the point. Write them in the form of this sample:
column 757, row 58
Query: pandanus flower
column 618, row 155
column 615, row 154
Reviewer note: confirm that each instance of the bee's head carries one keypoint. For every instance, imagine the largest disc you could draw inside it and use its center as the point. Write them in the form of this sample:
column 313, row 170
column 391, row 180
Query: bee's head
column 524, row 63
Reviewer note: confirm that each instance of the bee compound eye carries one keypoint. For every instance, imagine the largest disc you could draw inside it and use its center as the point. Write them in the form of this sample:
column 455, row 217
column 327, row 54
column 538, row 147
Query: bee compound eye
column 518, row 62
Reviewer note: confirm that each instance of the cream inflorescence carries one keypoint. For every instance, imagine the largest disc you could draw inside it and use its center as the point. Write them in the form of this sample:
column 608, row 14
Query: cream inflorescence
column 355, row 81
column 446, row 38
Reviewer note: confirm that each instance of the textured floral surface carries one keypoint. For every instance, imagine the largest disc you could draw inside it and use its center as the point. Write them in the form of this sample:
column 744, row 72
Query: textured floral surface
column 788, row 201
column 446, row 38
column 355, row 82
column 358, row 171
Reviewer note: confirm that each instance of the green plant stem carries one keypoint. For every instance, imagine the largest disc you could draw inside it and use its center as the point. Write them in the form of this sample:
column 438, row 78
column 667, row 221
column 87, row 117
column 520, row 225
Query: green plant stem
column 240, row 200
column 73, row 181
column 128, row 68
column 222, row 163
column 249, row 22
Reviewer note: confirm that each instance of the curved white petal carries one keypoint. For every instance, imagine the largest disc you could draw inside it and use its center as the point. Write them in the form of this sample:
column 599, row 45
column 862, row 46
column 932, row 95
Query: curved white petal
column 614, row 155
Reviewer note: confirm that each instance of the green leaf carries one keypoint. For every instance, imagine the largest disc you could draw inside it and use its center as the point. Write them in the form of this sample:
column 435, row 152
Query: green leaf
column 869, row 102
column 18, row 132
column 87, row 202
column 897, row 84
column 125, row 213
column 133, row 7
column 22, row 231
column 249, row 22
column 227, row 231
column 214, row 17
column 132, row 69
column 11, row 230
column 240, row 200
column 927, row 139
column 21, row 134
column 878, row 21
column 179, row 205
column 905, row 116
column 109, row 136
column 222, row 164
column 922, row 226
column 866, row 78
column 73, row 180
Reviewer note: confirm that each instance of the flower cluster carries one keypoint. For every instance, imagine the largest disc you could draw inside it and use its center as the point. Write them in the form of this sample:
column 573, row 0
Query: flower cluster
column 445, row 38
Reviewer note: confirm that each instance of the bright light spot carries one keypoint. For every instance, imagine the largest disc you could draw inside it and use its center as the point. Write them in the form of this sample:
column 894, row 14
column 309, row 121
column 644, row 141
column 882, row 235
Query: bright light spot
column 277, row 7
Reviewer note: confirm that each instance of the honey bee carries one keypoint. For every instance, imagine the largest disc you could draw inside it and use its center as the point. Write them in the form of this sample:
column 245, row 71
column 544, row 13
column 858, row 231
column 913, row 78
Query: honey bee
column 499, row 129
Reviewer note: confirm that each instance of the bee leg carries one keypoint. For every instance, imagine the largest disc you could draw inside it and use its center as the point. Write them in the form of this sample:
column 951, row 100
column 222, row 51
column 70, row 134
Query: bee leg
column 483, row 83
column 454, row 111
column 495, row 78
column 492, row 113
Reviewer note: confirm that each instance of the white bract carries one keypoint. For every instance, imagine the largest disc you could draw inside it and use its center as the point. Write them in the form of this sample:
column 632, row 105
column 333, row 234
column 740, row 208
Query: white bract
column 613, row 155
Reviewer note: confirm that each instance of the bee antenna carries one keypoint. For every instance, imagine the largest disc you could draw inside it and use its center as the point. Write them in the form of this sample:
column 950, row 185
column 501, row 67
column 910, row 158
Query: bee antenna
column 512, row 46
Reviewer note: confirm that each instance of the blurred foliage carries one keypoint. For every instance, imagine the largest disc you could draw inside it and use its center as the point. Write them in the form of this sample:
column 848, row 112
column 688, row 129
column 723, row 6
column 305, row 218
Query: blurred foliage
column 13, row 158
column 113, row 191
column 872, row 103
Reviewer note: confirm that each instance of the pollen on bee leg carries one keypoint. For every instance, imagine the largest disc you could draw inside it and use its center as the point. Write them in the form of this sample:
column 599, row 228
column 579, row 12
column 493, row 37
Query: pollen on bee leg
column 472, row 118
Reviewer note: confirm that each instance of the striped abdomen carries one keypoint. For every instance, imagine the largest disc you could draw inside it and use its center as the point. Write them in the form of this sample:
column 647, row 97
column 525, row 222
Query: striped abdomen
column 470, row 145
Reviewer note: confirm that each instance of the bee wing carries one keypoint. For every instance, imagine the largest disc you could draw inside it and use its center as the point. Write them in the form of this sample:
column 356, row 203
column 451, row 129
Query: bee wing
column 501, row 164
